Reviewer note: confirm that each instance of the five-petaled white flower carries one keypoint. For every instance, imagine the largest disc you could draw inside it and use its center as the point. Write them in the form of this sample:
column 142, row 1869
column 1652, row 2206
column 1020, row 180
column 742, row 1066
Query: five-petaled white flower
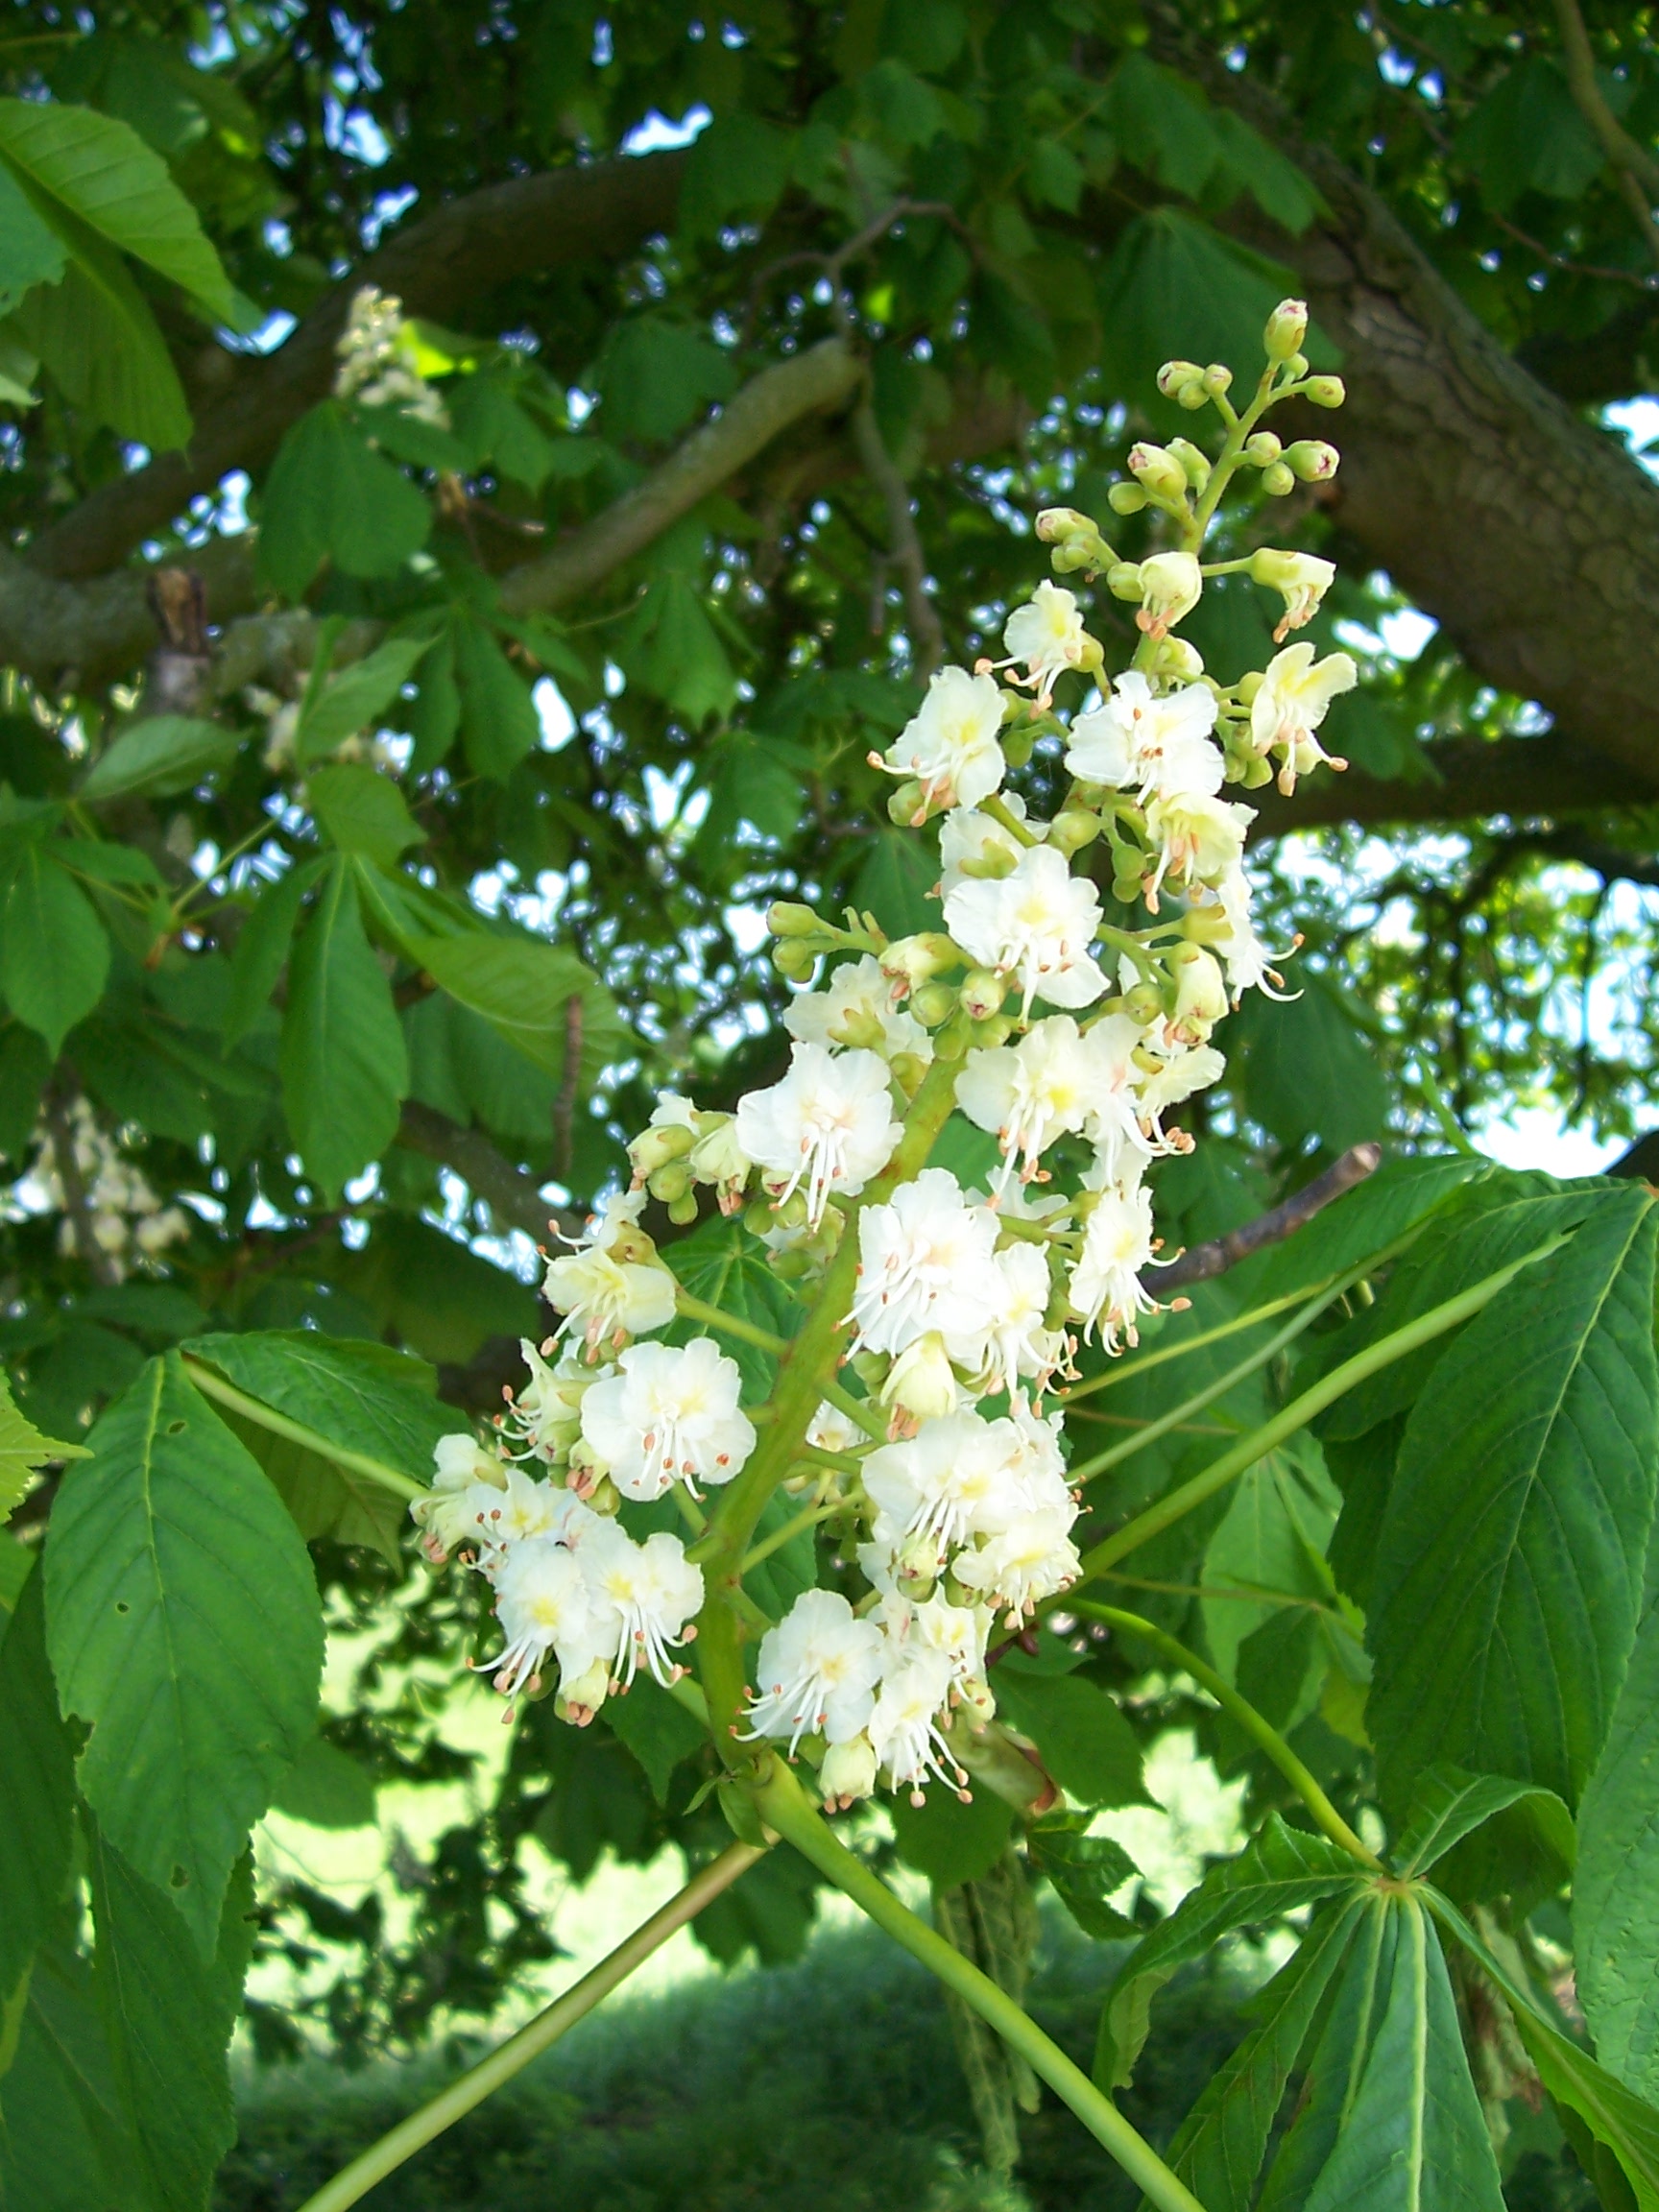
column 651, row 1590
column 546, row 1603
column 855, row 1008
column 970, row 844
column 950, row 746
column 924, row 1263
column 1198, row 838
column 904, row 1723
column 1295, row 695
column 1036, row 925
column 1048, row 635
column 1029, row 1094
column 611, row 1286
column 827, row 1127
column 1106, row 1288
column 817, row 1671
column 1161, row 745
column 670, row 1415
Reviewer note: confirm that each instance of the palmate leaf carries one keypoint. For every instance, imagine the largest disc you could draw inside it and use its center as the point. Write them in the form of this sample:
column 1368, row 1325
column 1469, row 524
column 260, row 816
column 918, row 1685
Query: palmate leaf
column 1510, row 1567
column 1447, row 1805
column 1278, row 1872
column 186, row 1629
column 330, row 496
column 1616, row 1892
column 523, row 989
column 1392, row 2119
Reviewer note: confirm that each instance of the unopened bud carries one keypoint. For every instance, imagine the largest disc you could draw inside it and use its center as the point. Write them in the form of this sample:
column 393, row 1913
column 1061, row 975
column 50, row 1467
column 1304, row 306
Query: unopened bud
column 682, row 1211
column 1123, row 580
column 1126, row 499
column 1192, row 396
column 996, row 1031
column 1143, row 1003
column 793, row 960
column 1297, row 365
column 1175, row 374
column 785, row 919
column 1076, row 540
column 982, row 994
column 1071, row 829
column 932, row 1003
column 1158, row 472
column 1262, row 448
column 1326, row 391
column 1176, row 659
column 1286, row 327
column 918, row 959
column 655, row 1146
column 920, row 1382
column 669, row 1182
column 1312, row 460
column 1194, row 462
column 1217, row 377
column 904, row 805
column 1277, row 480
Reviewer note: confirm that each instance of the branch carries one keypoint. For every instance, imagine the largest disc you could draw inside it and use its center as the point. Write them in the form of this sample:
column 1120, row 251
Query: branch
column 1634, row 169
column 1201, row 1261
column 927, row 637
column 512, row 1196
column 1468, row 778
column 441, row 268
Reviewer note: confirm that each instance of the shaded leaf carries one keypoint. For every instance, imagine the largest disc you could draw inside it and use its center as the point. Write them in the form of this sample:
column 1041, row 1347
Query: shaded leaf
column 1616, row 1891
column 1084, row 1739
column 948, row 1841
column 327, row 1787
column 343, row 1066
column 158, row 755
column 523, row 989
column 658, row 1730
column 36, row 1788
column 1446, row 1805
column 1084, row 1869
column 354, row 698
column 362, row 811
column 54, row 954
column 23, row 1452
column 260, row 953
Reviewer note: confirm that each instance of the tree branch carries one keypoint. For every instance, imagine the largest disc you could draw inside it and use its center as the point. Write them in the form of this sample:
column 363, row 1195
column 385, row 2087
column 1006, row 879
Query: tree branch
column 927, row 637
column 1201, row 1261
column 442, row 268
column 1467, row 779
column 512, row 1196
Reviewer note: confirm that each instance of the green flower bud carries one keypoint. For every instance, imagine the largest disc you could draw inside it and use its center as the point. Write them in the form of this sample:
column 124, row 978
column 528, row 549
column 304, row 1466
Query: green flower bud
column 1018, row 743
column 905, row 804
column 1123, row 580
column 982, row 994
column 1126, row 889
column 1262, row 449
column 1312, row 460
column 669, row 1182
column 793, row 960
column 933, row 1003
column 1073, row 827
column 996, row 1031
column 1126, row 499
column 1194, row 462
column 918, row 959
column 785, row 919
column 1174, row 375
column 1192, row 397
column 1076, row 540
column 1297, row 365
column 1143, row 1003
column 757, row 1216
column 1326, row 391
column 1247, row 687
column 1277, row 480
column 1158, row 472
column 682, row 1211
column 1286, row 327
column 1217, row 378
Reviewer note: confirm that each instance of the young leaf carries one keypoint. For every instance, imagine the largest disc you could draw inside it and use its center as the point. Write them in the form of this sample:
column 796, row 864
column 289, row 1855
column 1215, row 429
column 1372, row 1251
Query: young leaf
column 1085, row 1741
column 1615, row 1892
column 1393, row 2110
column 1447, row 1805
column 185, row 1628
column 1509, row 1569
column 330, row 495
column 168, row 2015
column 54, row 954
column 23, row 1452
column 36, row 1788
column 261, row 948
column 160, row 756
column 1280, row 1870
column 1084, row 1869
column 366, row 1397
column 1308, row 1069
column 1219, row 2147
column 948, row 1841
column 362, row 811
column 102, row 172
column 344, row 1065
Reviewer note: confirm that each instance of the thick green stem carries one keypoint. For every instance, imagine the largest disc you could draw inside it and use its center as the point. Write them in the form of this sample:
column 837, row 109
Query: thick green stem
column 1260, row 1730
column 785, row 1808
column 355, row 2181
column 858, row 1410
column 1297, row 1415
column 213, row 1386
column 1127, row 1370
column 809, row 1517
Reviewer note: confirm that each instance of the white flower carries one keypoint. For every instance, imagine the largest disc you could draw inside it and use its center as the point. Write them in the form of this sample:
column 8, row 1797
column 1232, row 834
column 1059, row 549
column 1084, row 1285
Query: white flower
column 1038, row 1462
column 1199, row 838
column 1019, row 1342
column 1106, row 1290
column 832, row 1430
column 445, row 1514
column 1031, row 1559
column 905, row 1724
column 1246, row 959
column 972, row 844
column 950, row 747
column 1048, row 634
column 1115, row 1126
column 522, row 1509
column 1296, row 692
column 1038, row 925
column 1301, row 578
column 543, row 1417
column 954, row 1480
column 1161, row 745
column 649, row 1590
column 817, row 1671
column 829, row 1126
column 1170, row 584
column 857, row 1009
column 544, row 1604
column 611, row 1286
column 670, row 1415
column 1178, row 1077
column 848, row 1772
column 1029, row 1094
column 924, row 1263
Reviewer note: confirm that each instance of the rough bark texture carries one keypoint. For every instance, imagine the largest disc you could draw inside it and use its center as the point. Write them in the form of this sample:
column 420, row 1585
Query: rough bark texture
column 441, row 268
column 1466, row 778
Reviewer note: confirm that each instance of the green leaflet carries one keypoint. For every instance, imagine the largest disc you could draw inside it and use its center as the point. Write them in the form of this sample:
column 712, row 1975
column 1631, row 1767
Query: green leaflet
column 328, row 1787
column 658, row 1731
column 1219, row 2147
column 1366, row 1219
column 53, row 956
column 102, row 174
column 524, row 990
column 726, row 1266
column 1280, row 1870
column 948, row 1841
column 167, row 2015
column 30, row 250
column 330, row 496
column 161, row 755
column 353, row 698
column 1615, row 1892
column 1084, row 1869
column 366, row 1397
column 362, row 811
column 1272, row 1538
column 262, row 948
column 65, row 2145
column 185, row 1628
column 1309, row 1070
column 37, row 1790
column 97, row 335
column 499, row 719
column 1447, row 1805
column 1605, row 2119
column 23, row 1452
column 344, row 1065
column 1084, row 1739
column 1509, row 1565
column 1392, row 2120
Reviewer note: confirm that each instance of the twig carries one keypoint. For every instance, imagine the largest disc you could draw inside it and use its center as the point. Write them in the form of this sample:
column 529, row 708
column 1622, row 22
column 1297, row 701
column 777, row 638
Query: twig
column 926, row 635
column 1204, row 1261
column 512, row 1196
column 77, row 1205
column 1635, row 170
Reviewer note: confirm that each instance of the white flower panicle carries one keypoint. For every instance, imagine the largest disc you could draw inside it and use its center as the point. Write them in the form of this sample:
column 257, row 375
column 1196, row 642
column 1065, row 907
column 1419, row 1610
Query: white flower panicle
column 124, row 1217
column 379, row 360
column 951, row 1298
